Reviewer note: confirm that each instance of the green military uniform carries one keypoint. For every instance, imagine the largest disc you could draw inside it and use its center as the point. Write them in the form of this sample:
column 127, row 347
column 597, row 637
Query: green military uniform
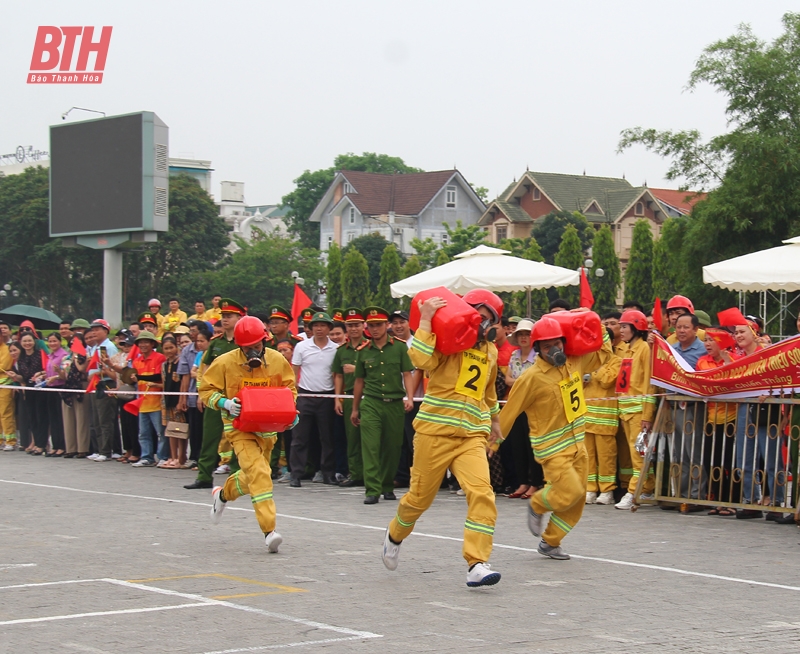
column 348, row 354
column 212, row 420
column 277, row 312
column 381, row 410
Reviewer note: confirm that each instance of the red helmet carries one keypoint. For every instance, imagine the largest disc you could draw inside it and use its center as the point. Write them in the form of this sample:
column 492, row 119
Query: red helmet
column 248, row 331
column 481, row 297
column 680, row 302
column 635, row 318
column 545, row 329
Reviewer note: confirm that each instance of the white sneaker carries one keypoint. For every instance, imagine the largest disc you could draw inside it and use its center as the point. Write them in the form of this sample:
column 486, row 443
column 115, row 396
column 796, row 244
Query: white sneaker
column 591, row 497
column 391, row 552
column 273, row 541
column 318, row 478
column 217, row 505
column 190, row 463
column 142, row 463
column 605, row 498
column 647, row 496
column 625, row 503
column 460, row 492
column 285, row 478
column 115, row 456
column 535, row 522
column 92, row 457
column 100, row 458
column 224, row 469
column 482, row 575
column 9, row 448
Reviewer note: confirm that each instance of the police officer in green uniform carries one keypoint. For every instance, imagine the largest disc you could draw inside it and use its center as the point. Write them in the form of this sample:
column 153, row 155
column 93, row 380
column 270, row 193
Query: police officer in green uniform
column 279, row 319
column 344, row 377
column 212, row 420
column 383, row 376
column 337, row 315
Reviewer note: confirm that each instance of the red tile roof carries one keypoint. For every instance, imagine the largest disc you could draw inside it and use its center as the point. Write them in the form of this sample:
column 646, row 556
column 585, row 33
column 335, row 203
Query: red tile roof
column 377, row 194
column 684, row 201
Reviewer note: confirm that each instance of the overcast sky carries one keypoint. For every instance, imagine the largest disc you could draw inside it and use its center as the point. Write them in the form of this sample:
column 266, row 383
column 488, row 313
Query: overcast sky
column 267, row 89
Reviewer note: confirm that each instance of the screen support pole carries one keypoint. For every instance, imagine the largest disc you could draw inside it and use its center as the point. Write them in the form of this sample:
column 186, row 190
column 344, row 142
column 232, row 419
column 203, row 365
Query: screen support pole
column 112, row 287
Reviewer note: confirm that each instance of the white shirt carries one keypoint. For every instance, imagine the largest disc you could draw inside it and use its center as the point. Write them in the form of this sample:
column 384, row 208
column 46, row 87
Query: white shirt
column 315, row 365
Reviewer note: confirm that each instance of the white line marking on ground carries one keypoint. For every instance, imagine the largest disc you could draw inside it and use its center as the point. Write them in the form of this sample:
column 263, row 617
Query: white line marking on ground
column 8, row 566
column 648, row 566
column 261, row 648
column 442, row 605
column 174, row 556
column 50, row 583
column 93, row 614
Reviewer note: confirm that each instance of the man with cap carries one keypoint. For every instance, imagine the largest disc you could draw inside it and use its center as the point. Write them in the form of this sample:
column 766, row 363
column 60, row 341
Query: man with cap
column 155, row 308
column 337, row 315
column 307, row 315
column 311, row 361
column 212, row 421
column 279, row 319
column 382, row 379
column 148, row 377
column 344, row 368
column 104, row 407
column 8, row 423
column 148, row 321
column 79, row 326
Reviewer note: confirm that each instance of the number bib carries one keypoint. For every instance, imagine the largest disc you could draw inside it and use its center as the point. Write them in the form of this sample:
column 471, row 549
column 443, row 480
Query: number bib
column 624, row 376
column 474, row 372
column 572, row 395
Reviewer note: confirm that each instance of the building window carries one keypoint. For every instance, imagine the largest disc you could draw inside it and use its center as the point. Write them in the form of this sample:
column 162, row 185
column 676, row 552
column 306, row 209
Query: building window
column 348, row 188
column 536, row 193
column 330, row 241
column 349, row 236
column 450, row 200
column 638, row 210
column 444, row 238
column 501, row 232
column 352, row 216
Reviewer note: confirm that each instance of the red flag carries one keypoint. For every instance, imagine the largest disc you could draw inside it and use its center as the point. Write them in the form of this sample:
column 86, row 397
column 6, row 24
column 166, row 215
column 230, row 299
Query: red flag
column 658, row 317
column 94, row 362
column 77, row 346
column 133, row 353
column 299, row 302
column 587, row 299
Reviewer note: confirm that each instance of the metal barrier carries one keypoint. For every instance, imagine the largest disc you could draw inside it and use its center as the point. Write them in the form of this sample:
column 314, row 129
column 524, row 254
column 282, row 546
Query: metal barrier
column 737, row 453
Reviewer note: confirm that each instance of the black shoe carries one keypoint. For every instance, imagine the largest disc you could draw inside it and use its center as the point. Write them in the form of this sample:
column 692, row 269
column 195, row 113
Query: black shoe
column 389, row 496
column 198, row 484
column 330, row 481
column 785, row 519
column 748, row 514
column 350, row 483
column 295, row 483
column 371, row 499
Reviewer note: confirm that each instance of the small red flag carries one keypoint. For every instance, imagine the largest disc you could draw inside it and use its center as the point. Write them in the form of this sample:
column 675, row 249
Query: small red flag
column 658, row 317
column 299, row 302
column 77, row 346
column 133, row 353
column 587, row 299
column 94, row 362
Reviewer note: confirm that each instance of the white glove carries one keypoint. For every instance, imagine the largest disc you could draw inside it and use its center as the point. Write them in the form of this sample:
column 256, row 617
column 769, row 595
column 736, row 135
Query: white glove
column 233, row 407
column 641, row 443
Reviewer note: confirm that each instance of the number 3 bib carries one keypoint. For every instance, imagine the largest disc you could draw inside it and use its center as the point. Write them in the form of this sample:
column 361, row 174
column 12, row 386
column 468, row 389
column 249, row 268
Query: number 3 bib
column 473, row 374
column 572, row 395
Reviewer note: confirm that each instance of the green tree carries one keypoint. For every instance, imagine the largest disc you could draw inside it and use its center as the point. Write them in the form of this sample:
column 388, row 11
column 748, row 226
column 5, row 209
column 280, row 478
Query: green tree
column 310, row 187
column 605, row 288
column 390, row 273
column 412, row 267
column 668, row 273
column 570, row 256
column 539, row 301
column 482, row 192
column 426, row 250
column 334, row 276
column 355, row 279
column 460, row 239
column 372, row 246
column 755, row 165
column 639, row 273
column 442, row 258
column 549, row 230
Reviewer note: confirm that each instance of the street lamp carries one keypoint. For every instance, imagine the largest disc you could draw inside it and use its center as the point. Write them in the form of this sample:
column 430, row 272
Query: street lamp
column 587, row 267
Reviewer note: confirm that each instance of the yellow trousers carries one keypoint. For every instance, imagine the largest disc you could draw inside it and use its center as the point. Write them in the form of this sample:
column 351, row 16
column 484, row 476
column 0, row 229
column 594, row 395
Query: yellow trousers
column 602, row 451
column 564, row 494
column 466, row 458
column 632, row 429
column 623, row 456
column 225, row 450
column 8, row 424
column 254, row 478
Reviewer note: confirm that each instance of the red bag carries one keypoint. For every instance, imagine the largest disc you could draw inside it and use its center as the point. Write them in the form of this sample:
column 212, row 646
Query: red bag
column 455, row 325
column 583, row 331
column 265, row 408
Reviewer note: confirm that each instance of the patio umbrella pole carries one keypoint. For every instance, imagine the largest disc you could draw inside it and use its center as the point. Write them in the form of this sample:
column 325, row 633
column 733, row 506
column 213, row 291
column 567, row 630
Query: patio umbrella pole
column 528, row 294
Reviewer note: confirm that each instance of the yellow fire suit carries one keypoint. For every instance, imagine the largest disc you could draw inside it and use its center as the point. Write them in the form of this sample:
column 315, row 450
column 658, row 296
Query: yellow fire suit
column 623, row 449
column 8, row 424
column 557, row 442
column 602, row 424
column 224, row 378
column 636, row 405
column 451, row 429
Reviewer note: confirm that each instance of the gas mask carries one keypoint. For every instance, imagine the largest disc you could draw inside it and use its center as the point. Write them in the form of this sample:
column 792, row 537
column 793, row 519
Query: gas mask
column 253, row 357
column 487, row 331
column 555, row 357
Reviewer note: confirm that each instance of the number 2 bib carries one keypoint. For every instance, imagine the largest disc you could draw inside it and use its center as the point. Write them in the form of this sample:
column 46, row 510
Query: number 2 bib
column 473, row 374
column 572, row 395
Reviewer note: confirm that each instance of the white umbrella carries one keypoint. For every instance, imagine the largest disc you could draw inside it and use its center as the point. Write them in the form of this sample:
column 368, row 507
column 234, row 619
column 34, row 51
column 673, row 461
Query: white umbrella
column 775, row 269
column 487, row 267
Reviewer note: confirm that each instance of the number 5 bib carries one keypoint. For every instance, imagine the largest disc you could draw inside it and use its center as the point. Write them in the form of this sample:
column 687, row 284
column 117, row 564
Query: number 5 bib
column 473, row 374
column 572, row 395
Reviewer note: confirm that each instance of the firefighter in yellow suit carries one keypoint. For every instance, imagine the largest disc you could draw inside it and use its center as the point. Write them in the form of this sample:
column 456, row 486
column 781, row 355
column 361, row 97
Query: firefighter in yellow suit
column 550, row 392
column 457, row 416
column 637, row 403
column 252, row 364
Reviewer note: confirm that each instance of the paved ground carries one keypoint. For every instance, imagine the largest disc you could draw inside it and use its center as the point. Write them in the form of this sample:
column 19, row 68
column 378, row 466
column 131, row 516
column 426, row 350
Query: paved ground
column 95, row 560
